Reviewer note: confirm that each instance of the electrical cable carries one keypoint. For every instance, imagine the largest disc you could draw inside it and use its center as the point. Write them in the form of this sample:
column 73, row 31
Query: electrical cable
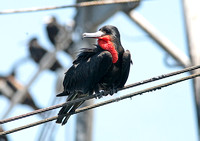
column 158, row 87
column 81, row 4
column 93, row 96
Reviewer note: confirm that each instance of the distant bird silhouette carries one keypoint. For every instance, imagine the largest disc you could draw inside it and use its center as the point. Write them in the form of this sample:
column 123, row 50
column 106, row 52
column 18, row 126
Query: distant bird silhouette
column 9, row 85
column 37, row 52
column 58, row 33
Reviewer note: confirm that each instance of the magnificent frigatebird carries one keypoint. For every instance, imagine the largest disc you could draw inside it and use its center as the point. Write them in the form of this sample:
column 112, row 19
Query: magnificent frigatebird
column 37, row 52
column 104, row 67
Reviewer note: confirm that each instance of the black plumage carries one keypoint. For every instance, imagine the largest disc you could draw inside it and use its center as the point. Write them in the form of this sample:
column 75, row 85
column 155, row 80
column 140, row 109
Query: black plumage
column 104, row 67
column 52, row 29
column 37, row 52
column 57, row 33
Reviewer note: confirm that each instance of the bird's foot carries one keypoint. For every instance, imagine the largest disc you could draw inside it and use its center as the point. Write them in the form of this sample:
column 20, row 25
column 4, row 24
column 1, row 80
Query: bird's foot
column 100, row 94
column 113, row 90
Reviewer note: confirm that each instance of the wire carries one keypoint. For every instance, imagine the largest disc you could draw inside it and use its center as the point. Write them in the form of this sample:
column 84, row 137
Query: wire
column 93, row 96
column 81, row 4
column 158, row 87
column 162, row 76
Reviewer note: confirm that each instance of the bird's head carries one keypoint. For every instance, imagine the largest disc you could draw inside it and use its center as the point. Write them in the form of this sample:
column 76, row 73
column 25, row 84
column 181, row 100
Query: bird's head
column 106, row 33
column 108, row 39
column 33, row 42
column 50, row 20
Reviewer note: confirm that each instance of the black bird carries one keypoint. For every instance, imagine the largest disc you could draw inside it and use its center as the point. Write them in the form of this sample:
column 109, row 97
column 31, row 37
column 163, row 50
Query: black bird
column 57, row 32
column 104, row 67
column 52, row 29
column 37, row 52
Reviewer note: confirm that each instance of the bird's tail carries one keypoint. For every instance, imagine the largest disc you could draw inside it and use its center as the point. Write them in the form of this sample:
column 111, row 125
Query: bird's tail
column 65, row 112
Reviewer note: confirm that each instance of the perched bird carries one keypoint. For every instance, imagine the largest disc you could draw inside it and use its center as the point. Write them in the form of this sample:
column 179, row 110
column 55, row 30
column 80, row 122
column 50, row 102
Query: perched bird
column 9, row 85
column 52, row 28
column 37, row 52
column 104, row 67
column 58, row 33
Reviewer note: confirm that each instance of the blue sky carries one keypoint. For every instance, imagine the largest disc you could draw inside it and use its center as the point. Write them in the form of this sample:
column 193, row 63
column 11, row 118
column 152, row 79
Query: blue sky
column 166, row 114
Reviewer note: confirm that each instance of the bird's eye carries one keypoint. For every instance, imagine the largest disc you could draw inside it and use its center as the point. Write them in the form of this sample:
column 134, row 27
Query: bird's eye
column 107, row 31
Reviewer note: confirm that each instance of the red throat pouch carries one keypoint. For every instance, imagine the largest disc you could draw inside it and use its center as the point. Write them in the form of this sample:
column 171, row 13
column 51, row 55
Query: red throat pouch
column 106, row 44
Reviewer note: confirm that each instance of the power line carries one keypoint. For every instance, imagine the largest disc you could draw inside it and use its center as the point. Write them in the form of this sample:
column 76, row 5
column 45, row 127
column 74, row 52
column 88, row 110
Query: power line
column 162, row 76
column 93, row 96
column 81, row 4
column 104, row 103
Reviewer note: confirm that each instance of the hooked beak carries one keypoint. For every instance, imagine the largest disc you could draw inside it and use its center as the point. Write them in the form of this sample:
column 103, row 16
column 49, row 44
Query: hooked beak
column 93, row 35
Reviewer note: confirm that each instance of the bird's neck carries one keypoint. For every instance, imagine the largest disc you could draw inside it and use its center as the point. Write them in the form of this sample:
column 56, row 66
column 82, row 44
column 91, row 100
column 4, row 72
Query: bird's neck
column 106, row 44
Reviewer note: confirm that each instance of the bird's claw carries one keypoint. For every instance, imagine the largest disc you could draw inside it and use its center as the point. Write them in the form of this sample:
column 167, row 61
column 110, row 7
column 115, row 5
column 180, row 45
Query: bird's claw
column 100, row 95
column 113, row 90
